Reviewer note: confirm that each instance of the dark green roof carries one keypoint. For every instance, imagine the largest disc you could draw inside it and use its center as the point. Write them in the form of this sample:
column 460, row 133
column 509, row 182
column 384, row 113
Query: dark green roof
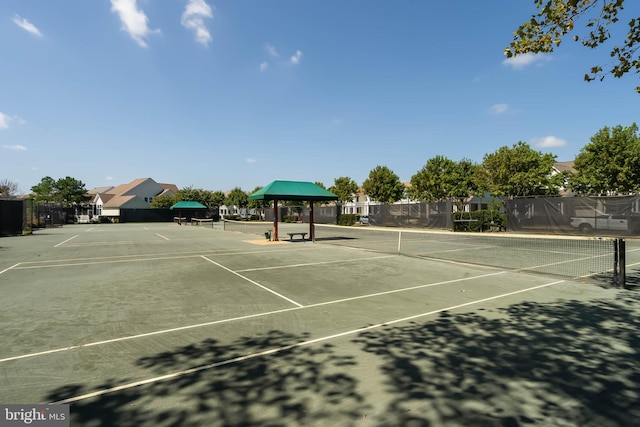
column 188, row 205
column 293, row 190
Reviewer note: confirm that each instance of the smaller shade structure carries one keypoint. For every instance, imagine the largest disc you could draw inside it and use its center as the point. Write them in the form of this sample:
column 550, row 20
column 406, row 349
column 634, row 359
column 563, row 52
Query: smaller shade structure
column 293, row 190
column 188, row 206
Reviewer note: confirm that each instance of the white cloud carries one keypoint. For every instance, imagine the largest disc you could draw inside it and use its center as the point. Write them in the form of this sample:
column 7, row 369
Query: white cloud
column 26, row 25
column 251, row 160
column 295, row 59
column 193, row 19
column 15, row 147
column 526, row 59
column 271, row 50
column 549, row 141
column 4, row 121
column 264, row 66
column 134, row 21
column 499, row 109
column 34, row 168
column 109, row 178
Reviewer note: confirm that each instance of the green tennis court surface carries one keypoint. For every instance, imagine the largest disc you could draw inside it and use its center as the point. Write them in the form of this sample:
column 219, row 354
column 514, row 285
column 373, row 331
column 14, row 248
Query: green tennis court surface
column 162, row 324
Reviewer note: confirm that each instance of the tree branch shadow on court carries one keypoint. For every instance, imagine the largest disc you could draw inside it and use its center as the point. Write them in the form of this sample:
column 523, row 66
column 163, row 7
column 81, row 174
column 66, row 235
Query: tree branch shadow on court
column 568, row 363
column 306, row 385
column 632, row 280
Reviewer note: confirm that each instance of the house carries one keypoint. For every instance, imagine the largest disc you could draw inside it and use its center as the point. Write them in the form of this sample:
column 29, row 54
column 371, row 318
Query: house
column 138, row 194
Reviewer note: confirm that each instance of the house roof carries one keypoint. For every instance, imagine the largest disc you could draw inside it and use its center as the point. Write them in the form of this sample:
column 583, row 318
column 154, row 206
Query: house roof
column 564, row 166
column 123, row 188
column 293, row 190
column 105, row 197
column 171, row 187
column 99, row 190
column 117, row 201
column 188, row 205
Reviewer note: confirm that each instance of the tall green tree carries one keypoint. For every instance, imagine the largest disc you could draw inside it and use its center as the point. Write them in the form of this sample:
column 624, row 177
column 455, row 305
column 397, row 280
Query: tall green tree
column 237, row 198
column 518, row 171
column 45, row 190
column 383, row 185
column 345, row 188
column 444, row 179
column 66, row 191
column 71, row 191
column 610, row 164
column 217, row 198
column 556, row 19
column 8, row 189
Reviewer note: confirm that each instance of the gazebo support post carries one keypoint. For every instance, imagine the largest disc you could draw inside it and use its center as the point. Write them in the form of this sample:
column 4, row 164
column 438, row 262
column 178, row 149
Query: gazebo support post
column 274, row 238
column 311, row 236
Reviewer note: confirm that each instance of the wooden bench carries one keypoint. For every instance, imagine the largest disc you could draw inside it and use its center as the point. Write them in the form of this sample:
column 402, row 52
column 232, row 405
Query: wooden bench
column 302, row 235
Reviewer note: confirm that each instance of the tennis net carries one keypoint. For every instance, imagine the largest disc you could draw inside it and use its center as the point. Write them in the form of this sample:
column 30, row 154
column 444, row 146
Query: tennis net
column 251, row 227
column 596, row 259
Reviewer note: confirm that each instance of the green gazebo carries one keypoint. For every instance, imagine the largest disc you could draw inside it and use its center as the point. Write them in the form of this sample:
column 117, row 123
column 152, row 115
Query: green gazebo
column 189, row 206
column 293, row 190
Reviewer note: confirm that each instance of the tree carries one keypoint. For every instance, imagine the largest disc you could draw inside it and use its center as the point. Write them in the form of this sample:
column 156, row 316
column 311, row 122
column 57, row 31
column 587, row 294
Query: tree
column 70, row 191
column 8, row 189
column 555, row 19
column 518, row 171
column 444, row 179
column 383, row 185
column 260, row 205
column 237, row 198
column 345, row 188
column 66, row 191
column 610, row 164
column 164, row 202
column 217, row 198
column 45, row 191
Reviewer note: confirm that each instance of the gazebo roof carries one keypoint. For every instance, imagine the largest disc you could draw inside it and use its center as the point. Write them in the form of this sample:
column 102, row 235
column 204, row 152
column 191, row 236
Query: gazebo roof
column 188, row 205
column 293, row 190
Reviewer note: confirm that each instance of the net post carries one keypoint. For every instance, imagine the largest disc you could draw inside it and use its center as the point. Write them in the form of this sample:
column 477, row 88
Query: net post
column 616, row 260
column 399, row 240
column 622, row 263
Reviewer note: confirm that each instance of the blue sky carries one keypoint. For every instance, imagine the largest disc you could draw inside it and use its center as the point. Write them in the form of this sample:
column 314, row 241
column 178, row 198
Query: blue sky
column 228, row 93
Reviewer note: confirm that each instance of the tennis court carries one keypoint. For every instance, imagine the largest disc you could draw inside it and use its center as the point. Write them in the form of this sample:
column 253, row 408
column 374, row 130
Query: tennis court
column 167, row 324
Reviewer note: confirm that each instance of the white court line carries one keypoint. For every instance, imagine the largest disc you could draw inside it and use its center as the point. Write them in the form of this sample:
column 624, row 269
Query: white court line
column 163, row 254
column 314, row 263
column 158, row 234
column 7, row 269
column 104, row 262
column 249, row 316
column 276, row 350
column 251, row 281
column 62, row 243
column 86, row 231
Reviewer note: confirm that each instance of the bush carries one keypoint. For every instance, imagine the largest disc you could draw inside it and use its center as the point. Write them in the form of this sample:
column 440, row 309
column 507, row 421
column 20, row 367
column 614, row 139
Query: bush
column 347, row 219
column 482, row 220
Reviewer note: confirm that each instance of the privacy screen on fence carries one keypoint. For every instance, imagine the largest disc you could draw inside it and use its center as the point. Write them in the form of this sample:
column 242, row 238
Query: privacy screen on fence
column 612, row 216
column 13, row 216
